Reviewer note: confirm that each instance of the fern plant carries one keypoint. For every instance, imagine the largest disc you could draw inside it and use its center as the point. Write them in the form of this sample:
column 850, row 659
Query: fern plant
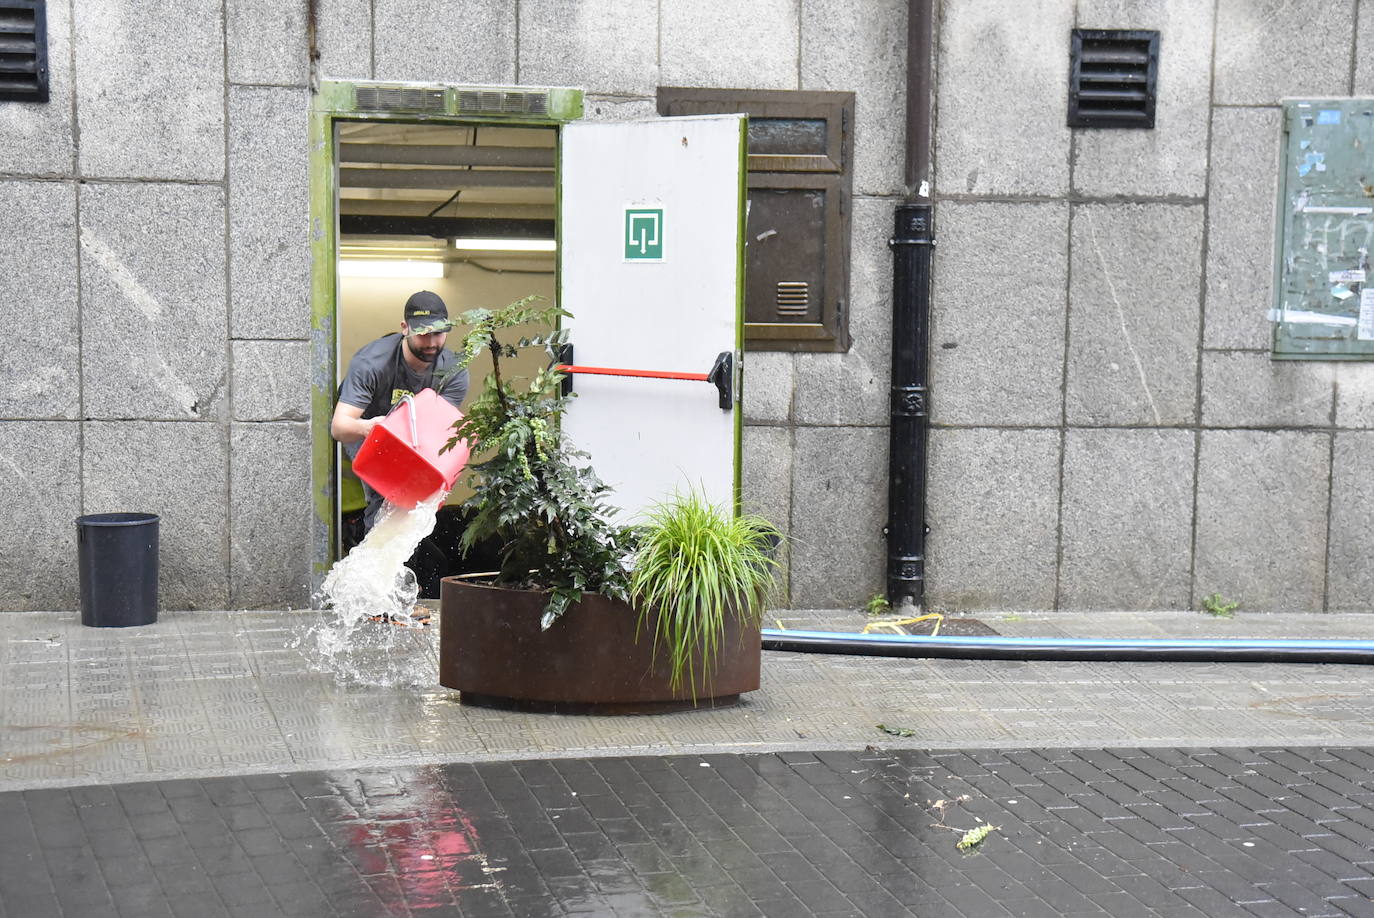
column 533, row 492
column 698, row 563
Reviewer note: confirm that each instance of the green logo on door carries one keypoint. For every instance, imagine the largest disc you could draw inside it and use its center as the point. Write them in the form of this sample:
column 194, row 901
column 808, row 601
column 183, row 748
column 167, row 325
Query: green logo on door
column 643, row 234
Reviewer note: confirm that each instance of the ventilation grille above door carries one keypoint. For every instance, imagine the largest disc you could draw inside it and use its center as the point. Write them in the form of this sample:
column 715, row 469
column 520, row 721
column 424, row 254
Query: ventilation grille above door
column 23, row 51
column 1112, row 78
column 514, row 103
column 502, row 102
column 399, row 98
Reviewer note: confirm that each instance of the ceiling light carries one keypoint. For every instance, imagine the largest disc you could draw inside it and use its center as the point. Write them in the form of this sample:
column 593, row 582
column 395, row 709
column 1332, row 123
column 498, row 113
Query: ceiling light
column 351, row 267
column 400, row 251
column 505, row 245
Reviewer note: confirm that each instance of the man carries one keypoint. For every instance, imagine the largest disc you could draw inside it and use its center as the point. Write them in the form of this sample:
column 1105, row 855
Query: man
column 393, row 366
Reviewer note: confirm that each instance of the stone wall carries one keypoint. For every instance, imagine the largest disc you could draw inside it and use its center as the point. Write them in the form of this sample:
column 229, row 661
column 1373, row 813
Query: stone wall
column 153, row 231
column 1110, row 430
column 152, row 224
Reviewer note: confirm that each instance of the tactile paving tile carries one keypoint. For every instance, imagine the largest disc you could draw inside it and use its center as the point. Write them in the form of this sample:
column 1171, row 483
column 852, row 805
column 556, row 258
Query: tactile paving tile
column 231, row 680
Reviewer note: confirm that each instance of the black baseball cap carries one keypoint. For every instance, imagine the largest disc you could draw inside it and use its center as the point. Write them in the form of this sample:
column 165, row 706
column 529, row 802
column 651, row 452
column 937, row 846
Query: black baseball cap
column 426, row 313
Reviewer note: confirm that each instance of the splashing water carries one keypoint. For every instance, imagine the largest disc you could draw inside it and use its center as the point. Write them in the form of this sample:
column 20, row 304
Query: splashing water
column 371, row 581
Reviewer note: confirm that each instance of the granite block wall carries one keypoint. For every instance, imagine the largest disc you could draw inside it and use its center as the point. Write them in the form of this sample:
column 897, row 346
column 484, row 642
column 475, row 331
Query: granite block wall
column 1108, row 428
column 156, row 254
column 1106, row 292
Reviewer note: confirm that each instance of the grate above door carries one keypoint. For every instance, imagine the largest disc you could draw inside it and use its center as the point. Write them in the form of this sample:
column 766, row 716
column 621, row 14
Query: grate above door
column 23, row 50
column 400, row 99
column 1112, row 76
column 502, row 102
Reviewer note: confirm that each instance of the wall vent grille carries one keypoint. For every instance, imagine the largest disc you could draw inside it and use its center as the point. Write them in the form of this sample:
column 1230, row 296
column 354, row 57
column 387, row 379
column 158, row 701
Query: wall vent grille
column 502, row 102
column 399, row 98
column 1112, row 76
column 794, row 298
column 23, row 50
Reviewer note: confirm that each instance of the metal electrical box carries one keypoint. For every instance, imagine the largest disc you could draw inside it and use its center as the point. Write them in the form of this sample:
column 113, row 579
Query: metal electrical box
column 1324, row 307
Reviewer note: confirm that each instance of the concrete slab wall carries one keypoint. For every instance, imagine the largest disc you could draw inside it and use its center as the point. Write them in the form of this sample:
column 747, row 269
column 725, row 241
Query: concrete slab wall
column 1105, row 412
column 1183, row 460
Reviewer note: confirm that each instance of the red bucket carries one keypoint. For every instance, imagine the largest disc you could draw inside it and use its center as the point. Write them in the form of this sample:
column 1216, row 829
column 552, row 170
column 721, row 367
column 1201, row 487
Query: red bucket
column 401, row 457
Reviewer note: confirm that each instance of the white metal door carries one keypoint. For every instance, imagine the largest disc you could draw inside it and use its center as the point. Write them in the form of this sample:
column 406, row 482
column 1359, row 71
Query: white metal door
column 650, row 248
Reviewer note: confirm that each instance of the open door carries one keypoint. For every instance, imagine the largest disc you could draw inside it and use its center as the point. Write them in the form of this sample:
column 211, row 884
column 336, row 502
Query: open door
column 651, row 217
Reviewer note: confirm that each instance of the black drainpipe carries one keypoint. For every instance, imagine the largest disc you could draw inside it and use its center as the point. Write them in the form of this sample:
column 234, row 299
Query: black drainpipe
column 912, row 244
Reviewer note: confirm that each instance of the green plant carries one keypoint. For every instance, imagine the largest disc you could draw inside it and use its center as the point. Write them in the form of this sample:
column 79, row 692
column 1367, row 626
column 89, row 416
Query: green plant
column 877, row 604
column 974, row 837
column 696, row 564
column 1217, row 605
column 533, row 492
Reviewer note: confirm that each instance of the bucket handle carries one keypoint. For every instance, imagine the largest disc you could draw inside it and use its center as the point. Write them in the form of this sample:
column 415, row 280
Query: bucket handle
column 409, row 401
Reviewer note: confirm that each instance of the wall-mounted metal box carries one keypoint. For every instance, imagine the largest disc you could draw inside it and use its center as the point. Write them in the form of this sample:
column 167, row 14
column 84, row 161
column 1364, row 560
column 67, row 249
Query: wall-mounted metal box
column 800, row 147
column 1324, row 304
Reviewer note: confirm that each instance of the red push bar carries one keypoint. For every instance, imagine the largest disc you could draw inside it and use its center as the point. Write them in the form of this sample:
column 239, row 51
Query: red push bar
column 722, row 374
column 651, row 374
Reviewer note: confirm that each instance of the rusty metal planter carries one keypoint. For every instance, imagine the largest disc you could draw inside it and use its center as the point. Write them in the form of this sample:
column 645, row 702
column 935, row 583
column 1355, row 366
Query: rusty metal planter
column 492, row 650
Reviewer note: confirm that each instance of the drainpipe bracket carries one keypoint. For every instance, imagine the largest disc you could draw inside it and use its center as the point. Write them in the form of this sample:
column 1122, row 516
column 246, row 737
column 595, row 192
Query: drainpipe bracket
column 909, row 401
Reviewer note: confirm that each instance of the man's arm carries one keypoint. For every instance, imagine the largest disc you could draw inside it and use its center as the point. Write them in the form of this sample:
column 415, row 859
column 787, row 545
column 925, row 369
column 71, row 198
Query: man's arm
column 455, row 387
column 348, row 426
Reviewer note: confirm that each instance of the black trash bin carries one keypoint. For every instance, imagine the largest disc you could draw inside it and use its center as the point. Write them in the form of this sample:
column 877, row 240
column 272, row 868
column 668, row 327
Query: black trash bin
column 117, row 556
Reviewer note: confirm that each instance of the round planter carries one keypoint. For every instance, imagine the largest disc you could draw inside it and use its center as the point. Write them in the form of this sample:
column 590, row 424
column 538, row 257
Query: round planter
column 492, row 650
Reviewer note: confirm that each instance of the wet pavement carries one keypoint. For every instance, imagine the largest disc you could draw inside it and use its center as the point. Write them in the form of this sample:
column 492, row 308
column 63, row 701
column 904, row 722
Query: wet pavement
column 200, row 767
column 1120, row 832
column 206, row 693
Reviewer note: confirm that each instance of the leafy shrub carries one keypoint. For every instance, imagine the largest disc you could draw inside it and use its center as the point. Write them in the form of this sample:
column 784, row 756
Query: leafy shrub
column 534, row 493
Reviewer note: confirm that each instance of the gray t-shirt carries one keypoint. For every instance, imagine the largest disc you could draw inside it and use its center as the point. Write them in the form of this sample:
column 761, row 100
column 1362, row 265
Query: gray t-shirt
column 378, row 376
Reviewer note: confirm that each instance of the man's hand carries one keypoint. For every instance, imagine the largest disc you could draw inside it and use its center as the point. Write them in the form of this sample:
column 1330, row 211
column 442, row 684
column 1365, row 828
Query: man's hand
column 348, row 424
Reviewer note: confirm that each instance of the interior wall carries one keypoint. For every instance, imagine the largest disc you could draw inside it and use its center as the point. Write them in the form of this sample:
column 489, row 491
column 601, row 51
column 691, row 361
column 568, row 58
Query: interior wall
column 370, row 307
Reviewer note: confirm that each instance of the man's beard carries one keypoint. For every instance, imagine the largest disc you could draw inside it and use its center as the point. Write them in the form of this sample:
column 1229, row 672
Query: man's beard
column 427, row 354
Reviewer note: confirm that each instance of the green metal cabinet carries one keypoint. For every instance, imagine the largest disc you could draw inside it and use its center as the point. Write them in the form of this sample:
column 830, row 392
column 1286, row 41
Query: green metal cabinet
column 1324, row 306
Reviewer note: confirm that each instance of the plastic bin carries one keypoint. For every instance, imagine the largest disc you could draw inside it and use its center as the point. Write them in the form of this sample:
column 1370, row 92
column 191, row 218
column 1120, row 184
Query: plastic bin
column 403, row 459
column 117, row 557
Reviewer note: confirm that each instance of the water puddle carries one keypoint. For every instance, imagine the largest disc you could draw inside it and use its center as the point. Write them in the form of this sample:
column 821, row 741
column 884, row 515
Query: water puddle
column 372, row 582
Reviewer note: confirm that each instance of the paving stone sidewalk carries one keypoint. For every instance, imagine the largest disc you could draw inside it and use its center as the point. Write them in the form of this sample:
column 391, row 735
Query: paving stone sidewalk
column 202, row 766
column 1078, row 832
column 223, row 693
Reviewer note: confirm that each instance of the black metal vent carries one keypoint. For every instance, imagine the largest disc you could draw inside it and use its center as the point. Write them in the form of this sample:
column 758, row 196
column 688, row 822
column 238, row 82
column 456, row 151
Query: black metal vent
column 398, row 98
column 23, row 50
column 1112, row 78
column 502, row 102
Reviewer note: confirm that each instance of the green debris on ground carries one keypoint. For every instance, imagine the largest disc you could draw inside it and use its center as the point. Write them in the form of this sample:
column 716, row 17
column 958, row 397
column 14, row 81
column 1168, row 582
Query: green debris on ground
column 1218, row 606
column 896, row 731
column 974, row 837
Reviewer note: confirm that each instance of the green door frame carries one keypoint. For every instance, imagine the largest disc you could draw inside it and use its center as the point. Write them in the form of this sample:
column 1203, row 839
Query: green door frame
column 415, row 103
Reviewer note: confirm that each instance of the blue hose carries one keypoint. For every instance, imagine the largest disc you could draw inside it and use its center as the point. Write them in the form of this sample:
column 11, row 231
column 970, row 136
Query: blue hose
column 1225, row 650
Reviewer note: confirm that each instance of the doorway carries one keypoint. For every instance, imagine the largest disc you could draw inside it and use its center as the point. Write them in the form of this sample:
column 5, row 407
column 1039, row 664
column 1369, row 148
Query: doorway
column 482, row 195
column 464, row 209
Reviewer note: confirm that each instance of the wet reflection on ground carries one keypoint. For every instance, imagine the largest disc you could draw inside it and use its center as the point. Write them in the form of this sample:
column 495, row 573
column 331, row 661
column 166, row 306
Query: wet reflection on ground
column 1085, row 831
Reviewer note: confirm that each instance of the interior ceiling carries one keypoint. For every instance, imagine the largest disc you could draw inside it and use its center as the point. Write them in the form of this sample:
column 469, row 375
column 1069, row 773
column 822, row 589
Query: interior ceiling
column 435, row 181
